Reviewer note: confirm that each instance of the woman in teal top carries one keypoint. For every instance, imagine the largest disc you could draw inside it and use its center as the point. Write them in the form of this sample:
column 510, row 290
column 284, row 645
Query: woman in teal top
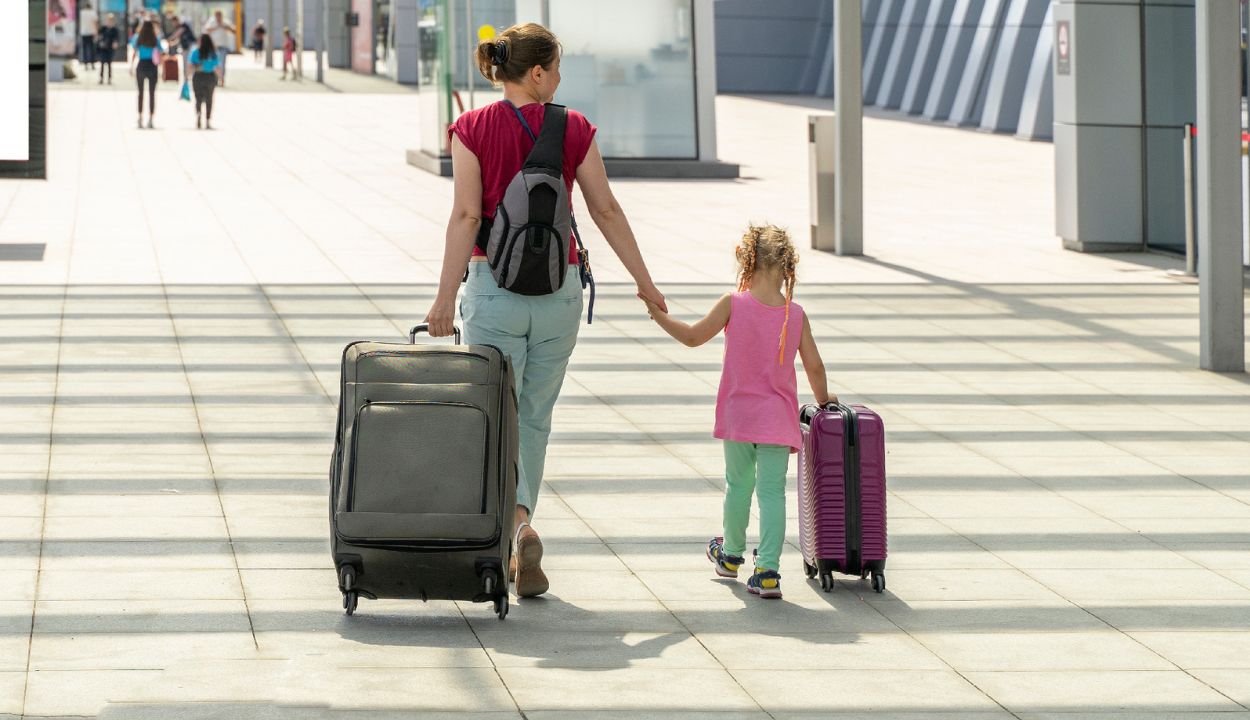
column 206, row 63
column 147, row 52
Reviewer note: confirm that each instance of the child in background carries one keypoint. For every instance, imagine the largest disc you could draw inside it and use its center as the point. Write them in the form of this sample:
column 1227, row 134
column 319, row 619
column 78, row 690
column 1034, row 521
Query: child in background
column 288, row 53
column 757, row 407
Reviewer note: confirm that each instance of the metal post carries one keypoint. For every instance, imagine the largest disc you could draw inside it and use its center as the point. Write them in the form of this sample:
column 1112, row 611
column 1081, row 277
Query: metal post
column 1221, row 287
column 299, row 30
column 1187, row 164
column 323, row 45
column 269, row 31
column 848, row 103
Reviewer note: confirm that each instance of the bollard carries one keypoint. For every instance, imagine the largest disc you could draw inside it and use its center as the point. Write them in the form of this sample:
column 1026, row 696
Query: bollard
column 822, row 172
column 1191, row 255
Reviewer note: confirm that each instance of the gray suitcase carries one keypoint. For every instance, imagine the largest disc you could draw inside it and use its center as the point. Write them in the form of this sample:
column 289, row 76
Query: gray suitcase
column 423, row 478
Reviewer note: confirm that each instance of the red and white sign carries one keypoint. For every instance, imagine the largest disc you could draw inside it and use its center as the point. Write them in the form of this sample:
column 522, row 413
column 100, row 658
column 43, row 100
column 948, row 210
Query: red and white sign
column 1063, row 47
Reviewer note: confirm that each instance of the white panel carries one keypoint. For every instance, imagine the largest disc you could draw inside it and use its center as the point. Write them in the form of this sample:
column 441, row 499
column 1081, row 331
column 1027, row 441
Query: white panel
column 15, row 81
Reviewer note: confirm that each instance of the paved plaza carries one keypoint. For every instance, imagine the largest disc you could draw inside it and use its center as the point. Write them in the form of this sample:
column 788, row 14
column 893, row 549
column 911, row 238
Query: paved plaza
column 1070, row 497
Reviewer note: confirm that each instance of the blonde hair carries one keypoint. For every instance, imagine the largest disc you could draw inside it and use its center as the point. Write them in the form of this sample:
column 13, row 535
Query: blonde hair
column 509, row 57
column 768, row 246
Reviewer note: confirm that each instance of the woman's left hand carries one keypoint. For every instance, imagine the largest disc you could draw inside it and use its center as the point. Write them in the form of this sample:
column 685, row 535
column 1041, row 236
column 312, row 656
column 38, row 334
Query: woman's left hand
column 651, row 294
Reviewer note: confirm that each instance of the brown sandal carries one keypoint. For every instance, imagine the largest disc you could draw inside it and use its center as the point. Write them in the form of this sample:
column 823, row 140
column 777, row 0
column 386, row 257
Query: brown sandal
column 530, row 579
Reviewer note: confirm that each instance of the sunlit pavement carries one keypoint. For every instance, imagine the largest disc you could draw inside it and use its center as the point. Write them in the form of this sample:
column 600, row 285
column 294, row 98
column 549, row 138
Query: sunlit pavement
column 1070, row 505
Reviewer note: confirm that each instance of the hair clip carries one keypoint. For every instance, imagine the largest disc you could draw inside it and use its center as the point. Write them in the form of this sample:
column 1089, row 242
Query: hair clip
column 500, row 53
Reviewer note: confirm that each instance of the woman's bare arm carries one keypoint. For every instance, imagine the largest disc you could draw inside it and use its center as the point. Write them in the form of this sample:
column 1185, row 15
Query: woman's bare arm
column 592, row 176
column 462, row 227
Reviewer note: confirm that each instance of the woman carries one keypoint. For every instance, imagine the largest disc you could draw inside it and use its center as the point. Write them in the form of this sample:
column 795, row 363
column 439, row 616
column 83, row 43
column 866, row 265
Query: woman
column 488, row 147
column 107, row 43
column 258, row 40
column 204, row 62
column 148, row 48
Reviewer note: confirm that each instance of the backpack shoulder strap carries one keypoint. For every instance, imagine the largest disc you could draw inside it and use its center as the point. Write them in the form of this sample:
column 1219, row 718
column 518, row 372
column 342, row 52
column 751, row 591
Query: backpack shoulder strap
column 548, row 152
column 517, row 111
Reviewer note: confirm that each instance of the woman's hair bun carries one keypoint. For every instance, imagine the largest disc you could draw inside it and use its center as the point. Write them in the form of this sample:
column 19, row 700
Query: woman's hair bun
column 499, row 53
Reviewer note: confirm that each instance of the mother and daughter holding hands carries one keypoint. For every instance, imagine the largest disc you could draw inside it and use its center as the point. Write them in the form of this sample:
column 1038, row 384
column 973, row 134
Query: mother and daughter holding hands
column 757, row 409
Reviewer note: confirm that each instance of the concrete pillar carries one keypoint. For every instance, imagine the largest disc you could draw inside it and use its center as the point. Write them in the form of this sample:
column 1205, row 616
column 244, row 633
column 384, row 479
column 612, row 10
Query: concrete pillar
column 270, row 28
column 849, row 104
column 1221, row 285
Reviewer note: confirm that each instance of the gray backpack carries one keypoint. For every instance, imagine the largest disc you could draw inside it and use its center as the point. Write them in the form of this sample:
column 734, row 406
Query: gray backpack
column 527, row 242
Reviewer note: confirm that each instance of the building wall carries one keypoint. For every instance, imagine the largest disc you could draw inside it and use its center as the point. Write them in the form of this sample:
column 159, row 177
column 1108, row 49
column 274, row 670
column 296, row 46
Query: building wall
column 979, row 58
column 771, row 47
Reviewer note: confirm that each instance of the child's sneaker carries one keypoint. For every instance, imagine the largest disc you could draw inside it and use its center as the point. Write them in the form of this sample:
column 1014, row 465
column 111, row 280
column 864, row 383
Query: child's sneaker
column 765, row 583
column 726, row 565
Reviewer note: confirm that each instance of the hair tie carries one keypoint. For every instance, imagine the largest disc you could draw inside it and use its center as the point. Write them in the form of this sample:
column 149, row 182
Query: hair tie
column 499, row 54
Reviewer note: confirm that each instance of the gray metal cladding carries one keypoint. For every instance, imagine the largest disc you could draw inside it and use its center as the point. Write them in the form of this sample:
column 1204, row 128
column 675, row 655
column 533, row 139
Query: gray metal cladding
column 1009, row 70
column 981, row 63
column 970, row 98
column 953, row 58
column 1037, row 108
column 928, row 50
column 902, row 53
column 884, row 34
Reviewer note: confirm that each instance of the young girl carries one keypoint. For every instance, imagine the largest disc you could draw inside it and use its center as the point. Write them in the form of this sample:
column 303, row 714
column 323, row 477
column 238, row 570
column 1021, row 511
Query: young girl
column 757, row 407
column 288, row 53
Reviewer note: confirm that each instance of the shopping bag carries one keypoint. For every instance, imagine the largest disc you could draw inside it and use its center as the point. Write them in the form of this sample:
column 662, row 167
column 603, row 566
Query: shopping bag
column 186, row 91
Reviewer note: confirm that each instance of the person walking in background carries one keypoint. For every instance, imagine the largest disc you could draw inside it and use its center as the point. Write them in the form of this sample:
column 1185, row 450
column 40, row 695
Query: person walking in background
column 757, row 406
column 222, row 33
column 147, row 53
column 258, row 40
column 288, row 53
column 106, row 46
column 88, row 27
column 205, row 62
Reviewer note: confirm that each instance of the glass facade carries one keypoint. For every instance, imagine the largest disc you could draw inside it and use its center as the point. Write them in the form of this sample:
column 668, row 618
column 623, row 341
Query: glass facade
column 637, row 86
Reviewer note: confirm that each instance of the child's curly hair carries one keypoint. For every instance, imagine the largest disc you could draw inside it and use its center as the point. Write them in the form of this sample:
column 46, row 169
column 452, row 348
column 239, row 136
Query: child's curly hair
column 768, row 246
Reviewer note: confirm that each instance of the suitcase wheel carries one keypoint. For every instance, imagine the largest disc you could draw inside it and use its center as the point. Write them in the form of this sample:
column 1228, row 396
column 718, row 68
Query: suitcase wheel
column 501, row 606
column 878, row 582
column 808, row 570
column 347, row 579
column 826, row 582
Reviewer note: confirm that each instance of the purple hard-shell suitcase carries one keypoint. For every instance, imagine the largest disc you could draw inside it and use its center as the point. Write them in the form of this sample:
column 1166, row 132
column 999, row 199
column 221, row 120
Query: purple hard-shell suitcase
column 842, row 493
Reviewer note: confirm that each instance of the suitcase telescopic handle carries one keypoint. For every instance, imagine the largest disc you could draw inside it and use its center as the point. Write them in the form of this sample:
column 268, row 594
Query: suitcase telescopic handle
column 425, row 328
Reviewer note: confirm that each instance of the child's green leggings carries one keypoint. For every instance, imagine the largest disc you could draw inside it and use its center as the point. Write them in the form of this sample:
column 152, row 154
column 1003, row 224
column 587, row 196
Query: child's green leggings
column 760, row 470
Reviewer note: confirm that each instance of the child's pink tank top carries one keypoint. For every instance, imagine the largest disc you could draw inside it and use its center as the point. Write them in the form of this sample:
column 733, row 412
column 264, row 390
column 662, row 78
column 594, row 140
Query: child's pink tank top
column 758, row 399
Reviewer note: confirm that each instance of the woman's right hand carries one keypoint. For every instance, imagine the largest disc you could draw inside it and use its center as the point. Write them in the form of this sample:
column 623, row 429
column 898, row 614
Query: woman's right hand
column 442, row 317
